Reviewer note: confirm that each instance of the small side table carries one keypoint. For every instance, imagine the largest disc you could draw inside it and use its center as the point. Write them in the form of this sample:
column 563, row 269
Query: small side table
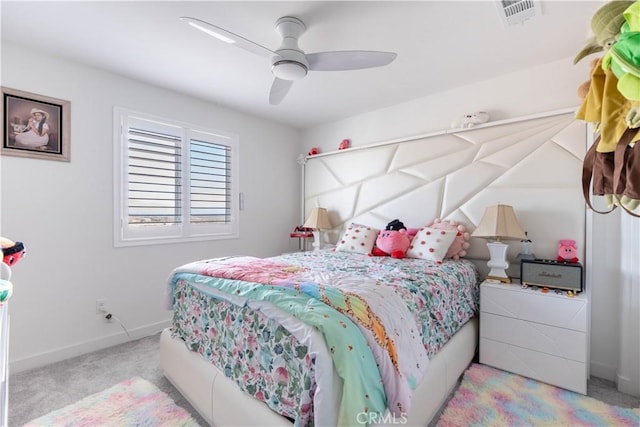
column 302, row 236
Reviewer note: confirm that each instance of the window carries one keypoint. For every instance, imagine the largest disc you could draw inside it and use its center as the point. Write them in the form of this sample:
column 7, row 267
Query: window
column 173, row 182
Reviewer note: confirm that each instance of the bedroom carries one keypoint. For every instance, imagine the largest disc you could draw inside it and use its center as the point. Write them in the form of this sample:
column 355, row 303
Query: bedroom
column 66, row 219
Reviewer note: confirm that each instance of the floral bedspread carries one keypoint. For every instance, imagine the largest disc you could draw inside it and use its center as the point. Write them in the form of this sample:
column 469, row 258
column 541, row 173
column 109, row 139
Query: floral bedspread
column 441, row 298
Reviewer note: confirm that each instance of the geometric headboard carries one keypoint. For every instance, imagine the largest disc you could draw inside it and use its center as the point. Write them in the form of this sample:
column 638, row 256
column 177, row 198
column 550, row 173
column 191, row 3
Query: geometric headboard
column 533, row 164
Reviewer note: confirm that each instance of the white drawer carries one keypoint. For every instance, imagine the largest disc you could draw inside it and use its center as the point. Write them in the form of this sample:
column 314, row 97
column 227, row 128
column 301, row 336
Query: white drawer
column 526, row 304
column 565, row 343
column 557, row 371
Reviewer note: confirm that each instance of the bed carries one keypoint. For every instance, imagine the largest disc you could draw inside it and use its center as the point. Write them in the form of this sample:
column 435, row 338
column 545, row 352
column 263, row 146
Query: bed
column 381, row 321
column 450, row 175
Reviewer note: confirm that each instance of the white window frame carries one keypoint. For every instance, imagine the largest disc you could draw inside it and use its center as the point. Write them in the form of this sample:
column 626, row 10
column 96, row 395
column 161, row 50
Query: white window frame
column 183, row 231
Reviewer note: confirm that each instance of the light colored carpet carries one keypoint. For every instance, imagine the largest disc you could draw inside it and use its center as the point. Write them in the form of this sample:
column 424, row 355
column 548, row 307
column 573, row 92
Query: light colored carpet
column 134, row 402
column 491, row 397
column 39, row 391
column 36, row 392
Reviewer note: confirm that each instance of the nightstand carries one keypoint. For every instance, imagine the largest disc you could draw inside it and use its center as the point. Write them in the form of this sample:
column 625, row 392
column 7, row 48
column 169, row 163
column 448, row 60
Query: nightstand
column 538, row 335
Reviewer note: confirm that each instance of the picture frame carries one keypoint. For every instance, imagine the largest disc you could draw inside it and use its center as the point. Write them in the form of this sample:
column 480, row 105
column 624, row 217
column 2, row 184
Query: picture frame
column 35, row 126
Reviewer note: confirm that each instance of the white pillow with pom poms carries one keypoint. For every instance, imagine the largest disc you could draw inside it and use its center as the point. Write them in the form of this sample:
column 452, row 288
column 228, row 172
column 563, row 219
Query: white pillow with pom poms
column 460, row 244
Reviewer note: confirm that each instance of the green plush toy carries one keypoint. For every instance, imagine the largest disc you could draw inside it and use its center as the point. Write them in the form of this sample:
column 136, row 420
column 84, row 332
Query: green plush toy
column 624, row 55
column 605, row 24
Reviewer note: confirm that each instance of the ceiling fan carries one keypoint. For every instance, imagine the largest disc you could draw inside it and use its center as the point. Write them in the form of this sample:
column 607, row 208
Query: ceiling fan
column 289, row 62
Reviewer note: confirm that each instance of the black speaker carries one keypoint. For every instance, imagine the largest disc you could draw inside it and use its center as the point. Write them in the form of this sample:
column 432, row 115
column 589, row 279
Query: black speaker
column 552, row 274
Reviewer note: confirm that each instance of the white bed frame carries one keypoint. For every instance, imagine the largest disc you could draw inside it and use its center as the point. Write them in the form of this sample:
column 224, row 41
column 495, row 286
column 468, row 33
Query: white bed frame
column 533, row 164
column 220, row 401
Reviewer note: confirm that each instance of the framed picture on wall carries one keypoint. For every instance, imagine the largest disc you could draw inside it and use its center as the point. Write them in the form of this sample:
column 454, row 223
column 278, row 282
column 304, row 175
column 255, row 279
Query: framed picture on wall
column 35, row 126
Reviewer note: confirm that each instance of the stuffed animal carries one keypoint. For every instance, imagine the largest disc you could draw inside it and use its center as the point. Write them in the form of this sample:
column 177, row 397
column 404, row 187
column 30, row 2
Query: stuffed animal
column 583, row 89
column 396, row 224
column 12, row 251
column 314, row 151
column 6, row 290
column 567, row 250
column 344, row 144
column 606, row 24
column 460, row 244
column 392, row 242
column 470, row 120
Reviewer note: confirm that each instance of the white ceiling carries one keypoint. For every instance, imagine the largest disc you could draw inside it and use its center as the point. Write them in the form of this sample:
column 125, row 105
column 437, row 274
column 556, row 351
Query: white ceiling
column 440, row 45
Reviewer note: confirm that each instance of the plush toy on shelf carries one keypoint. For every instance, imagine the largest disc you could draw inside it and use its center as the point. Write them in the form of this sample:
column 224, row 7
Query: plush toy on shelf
column 567, row 250
column 344, row 144
column 470, row 120
column 314, row 151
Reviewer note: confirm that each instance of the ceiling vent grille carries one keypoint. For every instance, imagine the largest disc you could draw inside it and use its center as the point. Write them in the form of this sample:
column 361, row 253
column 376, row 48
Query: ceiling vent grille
column 514, row 12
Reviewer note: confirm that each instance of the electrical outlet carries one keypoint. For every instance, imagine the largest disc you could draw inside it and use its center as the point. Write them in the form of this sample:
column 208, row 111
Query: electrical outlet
column 101, row 306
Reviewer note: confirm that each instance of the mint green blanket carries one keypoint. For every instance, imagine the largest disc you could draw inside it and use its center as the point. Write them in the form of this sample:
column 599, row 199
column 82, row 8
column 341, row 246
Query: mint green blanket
column 354, row 362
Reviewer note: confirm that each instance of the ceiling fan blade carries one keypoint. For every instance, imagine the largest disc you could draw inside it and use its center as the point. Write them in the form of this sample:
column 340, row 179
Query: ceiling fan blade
column 227, row 36
column 279, row 90
column 349, row 60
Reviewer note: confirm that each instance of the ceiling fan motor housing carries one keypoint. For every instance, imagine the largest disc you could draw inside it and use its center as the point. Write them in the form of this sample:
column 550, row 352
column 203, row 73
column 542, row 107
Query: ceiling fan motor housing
column 290, row 63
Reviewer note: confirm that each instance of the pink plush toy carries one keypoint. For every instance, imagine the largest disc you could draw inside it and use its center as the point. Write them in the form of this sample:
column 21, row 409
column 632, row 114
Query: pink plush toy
column 460, row 244
column 567, row 250
column 344, row 144
column 392, row 242
column 314, row 151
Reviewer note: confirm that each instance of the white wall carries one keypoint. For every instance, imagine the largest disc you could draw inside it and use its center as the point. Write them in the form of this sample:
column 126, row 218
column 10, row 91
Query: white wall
column 63, row 211
column 546, row 88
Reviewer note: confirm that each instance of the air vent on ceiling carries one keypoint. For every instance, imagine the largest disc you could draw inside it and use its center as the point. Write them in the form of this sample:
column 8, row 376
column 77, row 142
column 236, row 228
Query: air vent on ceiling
column 517, row 11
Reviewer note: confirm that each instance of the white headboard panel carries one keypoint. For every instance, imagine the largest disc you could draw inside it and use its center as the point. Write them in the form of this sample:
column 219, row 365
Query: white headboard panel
column 533, row 164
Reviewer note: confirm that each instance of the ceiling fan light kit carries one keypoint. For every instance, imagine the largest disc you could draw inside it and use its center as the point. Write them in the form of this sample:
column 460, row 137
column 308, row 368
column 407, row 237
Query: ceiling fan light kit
column 286, row 69
column 289, row 62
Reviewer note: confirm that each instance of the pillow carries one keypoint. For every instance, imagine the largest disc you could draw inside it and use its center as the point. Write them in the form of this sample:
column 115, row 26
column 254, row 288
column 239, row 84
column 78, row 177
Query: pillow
column 431, row 244
column 358, row 238
column 460, row 244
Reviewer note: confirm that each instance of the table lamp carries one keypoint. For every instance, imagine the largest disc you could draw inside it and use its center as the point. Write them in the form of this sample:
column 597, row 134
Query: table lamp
column 318, row 219
column 498, row 223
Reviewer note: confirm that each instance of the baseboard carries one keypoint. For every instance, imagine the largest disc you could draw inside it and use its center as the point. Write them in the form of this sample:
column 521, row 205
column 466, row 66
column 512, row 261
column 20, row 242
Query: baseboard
column 63, row 353
column 627, row 386
column 604, row 371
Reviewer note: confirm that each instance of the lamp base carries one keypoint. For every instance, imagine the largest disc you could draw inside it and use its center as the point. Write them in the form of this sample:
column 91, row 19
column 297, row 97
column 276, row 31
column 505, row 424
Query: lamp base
column 499, row 278
column 316, row 240
column 498, row 262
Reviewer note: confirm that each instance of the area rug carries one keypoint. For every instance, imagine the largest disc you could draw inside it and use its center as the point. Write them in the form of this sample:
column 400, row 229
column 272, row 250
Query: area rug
column 134, row 402
column 491, row 397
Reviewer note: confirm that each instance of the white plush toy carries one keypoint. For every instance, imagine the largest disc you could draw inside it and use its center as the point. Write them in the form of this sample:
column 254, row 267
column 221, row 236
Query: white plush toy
column 470, row 120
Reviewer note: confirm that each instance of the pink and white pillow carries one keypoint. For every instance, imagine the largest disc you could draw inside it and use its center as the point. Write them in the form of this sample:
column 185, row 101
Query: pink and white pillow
column 431, row 244
column 460, row 244
column 357, row 238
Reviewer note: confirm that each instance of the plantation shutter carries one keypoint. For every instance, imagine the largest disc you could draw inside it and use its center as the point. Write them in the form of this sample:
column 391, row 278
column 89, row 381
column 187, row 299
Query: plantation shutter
column 154, row 173
column 172, row 181
column 210, row 182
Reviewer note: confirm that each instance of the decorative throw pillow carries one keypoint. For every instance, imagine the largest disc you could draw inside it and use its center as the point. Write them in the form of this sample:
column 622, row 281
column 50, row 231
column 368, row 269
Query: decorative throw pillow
column 358, row 238
column 431, row 244
column 460, row 244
